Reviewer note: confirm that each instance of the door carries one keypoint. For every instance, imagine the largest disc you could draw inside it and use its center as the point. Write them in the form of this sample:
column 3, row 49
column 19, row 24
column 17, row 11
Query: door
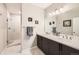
column 76, row 26
column 14, row 27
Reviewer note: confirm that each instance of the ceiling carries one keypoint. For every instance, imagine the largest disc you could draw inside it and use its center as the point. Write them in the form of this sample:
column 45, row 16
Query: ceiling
column 13, row 8
column 55, row 6
column 42, row 5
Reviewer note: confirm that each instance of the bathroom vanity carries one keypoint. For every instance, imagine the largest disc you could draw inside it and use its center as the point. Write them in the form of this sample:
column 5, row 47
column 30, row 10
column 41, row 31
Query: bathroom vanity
column 53, row 45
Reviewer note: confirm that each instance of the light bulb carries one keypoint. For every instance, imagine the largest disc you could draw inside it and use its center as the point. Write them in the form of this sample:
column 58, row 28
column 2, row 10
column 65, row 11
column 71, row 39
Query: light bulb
column 57, row 11
column 50, row 14
column 53, row 13
column 61, row 9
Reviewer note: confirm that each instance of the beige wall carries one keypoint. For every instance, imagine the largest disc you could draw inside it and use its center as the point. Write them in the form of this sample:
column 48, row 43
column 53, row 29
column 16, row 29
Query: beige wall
column 29, row 10
column 3, row 27
column 36, row 13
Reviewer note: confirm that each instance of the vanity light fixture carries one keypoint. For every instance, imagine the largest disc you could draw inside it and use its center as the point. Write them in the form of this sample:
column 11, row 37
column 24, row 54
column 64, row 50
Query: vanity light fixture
column 57, row 11
column 61, row 10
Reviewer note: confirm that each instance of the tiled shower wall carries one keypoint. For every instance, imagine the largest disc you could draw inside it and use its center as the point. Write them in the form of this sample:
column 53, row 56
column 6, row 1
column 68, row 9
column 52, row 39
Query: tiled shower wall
column 3, row 27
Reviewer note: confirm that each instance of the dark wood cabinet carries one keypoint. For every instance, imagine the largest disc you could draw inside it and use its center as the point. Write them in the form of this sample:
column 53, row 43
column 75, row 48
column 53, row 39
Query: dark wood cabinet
column 53, row 47
column 45, row 46
column 39, row 42
column 50, row 47
column 66, row 50
column 42, row 44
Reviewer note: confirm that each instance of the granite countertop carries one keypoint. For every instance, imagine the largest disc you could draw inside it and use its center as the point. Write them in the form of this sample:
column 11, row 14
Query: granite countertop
column 74, row 43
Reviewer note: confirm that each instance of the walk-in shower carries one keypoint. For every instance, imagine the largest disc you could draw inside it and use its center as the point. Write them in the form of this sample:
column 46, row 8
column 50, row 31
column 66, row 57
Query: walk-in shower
column 13, row 25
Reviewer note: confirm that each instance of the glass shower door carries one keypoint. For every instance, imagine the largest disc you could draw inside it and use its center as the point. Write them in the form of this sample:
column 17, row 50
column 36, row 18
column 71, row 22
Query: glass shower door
column 14, row 28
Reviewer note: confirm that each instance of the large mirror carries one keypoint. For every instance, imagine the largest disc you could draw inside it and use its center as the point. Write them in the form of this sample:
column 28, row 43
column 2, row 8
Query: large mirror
column 62, row 18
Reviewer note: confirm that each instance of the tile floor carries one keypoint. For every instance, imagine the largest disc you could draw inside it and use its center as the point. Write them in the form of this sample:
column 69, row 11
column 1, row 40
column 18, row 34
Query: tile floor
column 36, row 51
column 15, row 48
column 11, row 50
